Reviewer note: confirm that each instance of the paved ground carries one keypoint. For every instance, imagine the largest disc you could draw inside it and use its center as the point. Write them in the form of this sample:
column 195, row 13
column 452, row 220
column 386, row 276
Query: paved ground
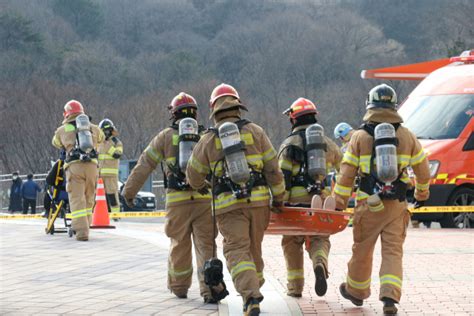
column 123, row 271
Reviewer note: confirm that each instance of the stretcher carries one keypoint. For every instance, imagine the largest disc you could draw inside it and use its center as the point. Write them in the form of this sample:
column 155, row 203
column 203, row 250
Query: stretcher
column 317, row 218
column 59, row 203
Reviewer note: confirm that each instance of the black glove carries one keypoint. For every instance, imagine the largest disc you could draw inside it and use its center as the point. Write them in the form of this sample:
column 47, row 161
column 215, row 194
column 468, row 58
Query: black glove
column 129, row 202
column 276, row 207
column 203, row 190
column 418, row 204
column 115, row 140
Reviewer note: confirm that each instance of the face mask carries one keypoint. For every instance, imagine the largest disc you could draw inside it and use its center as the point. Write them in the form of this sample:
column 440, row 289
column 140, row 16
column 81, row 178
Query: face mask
column 15, row 177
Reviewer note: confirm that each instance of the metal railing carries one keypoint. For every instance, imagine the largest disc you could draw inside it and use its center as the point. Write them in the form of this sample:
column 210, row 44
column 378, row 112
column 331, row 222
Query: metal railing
column 6, row 181
column 5, row 185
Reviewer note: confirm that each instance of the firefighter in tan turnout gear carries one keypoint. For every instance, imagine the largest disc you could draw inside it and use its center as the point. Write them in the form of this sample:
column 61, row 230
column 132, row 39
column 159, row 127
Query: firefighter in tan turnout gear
column 110, row 152
column 245, row 172
column 80, row 139
column 189, row 212
column 301, row 185
column 380, row 152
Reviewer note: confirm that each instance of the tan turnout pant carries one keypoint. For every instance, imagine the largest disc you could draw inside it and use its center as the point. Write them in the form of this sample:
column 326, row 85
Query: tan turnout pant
column 81, row 180
column 391, row 225
column 111, row 190
column 318, row 251
column 184, row 222
column 243, row 231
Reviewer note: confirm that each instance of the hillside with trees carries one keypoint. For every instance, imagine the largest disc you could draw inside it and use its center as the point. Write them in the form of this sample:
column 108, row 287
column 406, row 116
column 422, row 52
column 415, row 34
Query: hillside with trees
column 126, row 59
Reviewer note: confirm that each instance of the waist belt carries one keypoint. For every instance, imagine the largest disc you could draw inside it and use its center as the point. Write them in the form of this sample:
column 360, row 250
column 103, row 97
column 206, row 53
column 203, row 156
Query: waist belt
column 224, row 184
column 303, row 180
column 77, row 154
column 176, row 183
column 396, row 191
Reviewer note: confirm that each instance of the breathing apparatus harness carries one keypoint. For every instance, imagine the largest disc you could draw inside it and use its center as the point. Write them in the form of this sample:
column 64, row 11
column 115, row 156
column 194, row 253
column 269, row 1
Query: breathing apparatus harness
column 224, row 183
column 370, row 183
column 77, row 153
column 177, row 179
column 298, row 154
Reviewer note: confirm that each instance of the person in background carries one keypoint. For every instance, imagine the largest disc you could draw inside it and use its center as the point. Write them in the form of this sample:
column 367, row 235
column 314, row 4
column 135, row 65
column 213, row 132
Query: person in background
column 15, row 193
column 29, row 192
column 110, row 152
column 343, row 132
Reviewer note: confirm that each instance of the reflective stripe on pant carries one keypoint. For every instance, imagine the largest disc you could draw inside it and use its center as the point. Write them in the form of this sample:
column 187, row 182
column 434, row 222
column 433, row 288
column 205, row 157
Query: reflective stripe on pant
column 183, row 222
column 80, row 186
column 111, row 189
column 292, row 246
column 391, row 224
column 243, row 231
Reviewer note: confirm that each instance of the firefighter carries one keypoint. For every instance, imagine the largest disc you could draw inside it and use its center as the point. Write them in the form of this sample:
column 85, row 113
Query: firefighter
column 244, row 167
column 188, row 211
column 301, row 187
column 80, row 139
column 110, row 152
column 380, row 153
column 343, row 132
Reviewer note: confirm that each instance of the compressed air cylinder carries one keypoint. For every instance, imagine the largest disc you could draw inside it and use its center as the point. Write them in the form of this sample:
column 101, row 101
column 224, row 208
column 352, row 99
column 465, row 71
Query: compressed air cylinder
column 188, row 132
column 237, row 167
column 315, row 154
column 386, row 153
column 84, row 135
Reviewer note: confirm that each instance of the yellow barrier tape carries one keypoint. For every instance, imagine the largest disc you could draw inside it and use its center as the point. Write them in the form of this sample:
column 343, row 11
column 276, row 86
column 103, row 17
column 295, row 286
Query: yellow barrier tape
column 435, row 209
column 427, row 209
column 111, row 215
column 137, row 214
column 13, row 216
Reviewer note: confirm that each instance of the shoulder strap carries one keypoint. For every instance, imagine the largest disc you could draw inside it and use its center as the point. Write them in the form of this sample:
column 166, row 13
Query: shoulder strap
column 174, row 126
column 241, row 123
column 370, row 128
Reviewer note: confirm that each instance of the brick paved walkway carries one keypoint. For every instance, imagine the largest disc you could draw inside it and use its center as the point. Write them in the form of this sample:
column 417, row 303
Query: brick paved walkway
column 124, row 272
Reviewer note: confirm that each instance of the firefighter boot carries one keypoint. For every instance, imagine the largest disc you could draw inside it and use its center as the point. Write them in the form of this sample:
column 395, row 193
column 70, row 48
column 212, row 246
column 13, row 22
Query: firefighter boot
column 389, row 307
column 252, row 307
column 297, row 295
column 180, row 294
column 321, row 285
column 210, row 300
column 347, row 296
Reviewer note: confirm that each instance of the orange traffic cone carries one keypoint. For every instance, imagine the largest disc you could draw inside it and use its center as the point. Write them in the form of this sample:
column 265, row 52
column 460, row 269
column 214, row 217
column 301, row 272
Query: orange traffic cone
column 100, row 218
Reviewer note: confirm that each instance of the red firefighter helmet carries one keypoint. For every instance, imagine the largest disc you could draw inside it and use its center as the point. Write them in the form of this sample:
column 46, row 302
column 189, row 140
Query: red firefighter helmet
column 182, row 101
column 301, row 107
column 73, row 107
column 222, row 90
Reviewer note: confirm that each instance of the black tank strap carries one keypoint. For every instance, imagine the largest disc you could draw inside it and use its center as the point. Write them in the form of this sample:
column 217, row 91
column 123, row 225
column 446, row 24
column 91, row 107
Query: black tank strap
column 370, row 127
column 240, row 124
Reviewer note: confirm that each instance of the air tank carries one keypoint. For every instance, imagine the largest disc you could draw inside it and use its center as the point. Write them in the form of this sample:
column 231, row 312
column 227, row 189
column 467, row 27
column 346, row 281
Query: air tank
column 315, row 153
column 386, row 153
column 189, row 135
column 84, row 135
column 237, row 167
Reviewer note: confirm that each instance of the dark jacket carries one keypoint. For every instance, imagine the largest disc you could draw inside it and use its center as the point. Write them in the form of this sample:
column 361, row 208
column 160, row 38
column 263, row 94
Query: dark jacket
column 15, row 189
column 30, row 189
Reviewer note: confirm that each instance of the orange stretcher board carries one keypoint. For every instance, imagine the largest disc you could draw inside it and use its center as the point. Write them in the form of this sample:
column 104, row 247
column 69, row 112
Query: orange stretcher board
column 307, row 221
